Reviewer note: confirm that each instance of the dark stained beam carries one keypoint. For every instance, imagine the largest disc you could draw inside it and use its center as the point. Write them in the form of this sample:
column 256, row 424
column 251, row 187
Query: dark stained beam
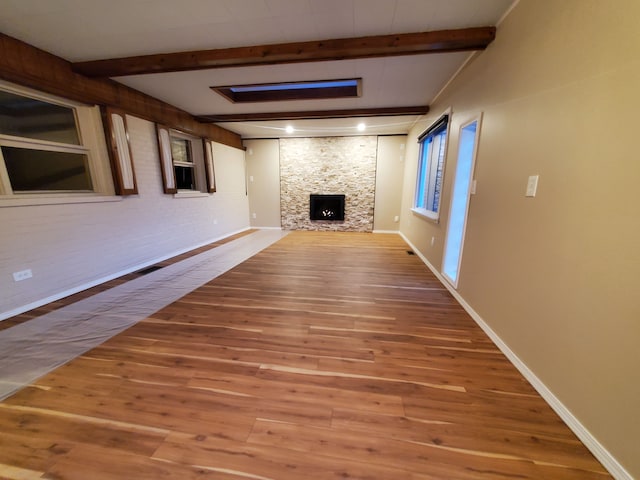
column 315, row 114
column 26, row 65
column 324, row 50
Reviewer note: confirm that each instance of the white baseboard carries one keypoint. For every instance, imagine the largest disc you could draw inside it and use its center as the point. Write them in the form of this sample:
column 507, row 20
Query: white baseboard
column 267, row 228
column 93, row 283
column 597, row 449
column 386, row 231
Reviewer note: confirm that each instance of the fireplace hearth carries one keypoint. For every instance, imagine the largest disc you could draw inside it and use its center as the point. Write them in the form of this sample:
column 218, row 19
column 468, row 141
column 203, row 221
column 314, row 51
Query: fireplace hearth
column 326, row 207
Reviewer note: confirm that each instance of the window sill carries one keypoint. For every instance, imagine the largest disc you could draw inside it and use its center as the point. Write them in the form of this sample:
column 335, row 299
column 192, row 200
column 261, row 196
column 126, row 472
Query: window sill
column 19, row 201
column 427, row 214
column 188, row 194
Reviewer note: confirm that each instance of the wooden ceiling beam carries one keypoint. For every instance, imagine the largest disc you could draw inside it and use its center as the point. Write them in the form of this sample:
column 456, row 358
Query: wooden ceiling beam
column 466, row 39
column 316, row 114
column 27, row 65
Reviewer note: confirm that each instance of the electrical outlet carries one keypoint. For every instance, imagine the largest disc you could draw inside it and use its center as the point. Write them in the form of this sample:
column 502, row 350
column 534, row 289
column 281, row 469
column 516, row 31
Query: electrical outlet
column 253, row 215
column 22, row 275
column 396, row 219
column 433, row 241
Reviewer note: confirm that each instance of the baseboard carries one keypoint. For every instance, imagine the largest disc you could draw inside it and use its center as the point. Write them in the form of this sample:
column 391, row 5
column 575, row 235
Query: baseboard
column 93, row 283
column 386, row 231
column 267, row 228
column 597, row 449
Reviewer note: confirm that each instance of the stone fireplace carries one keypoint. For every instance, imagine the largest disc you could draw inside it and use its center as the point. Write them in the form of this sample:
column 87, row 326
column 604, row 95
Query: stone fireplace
column 331, row 167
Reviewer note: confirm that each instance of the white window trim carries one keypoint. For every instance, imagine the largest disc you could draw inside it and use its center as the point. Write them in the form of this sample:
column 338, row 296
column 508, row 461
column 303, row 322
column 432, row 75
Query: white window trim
column 474, row 155
column 200, row 157
column 61, row 199
column 197, row 163
column 190, row 194
column 428, row 214
column 93, row 145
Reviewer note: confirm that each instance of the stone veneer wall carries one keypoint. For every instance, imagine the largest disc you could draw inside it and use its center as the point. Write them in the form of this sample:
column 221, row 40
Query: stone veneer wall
column 328, row 166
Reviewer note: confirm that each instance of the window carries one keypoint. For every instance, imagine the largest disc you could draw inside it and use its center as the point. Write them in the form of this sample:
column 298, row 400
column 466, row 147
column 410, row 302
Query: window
column 433, row 149
column 186, row 161
column 183, row 166
column 49, row 146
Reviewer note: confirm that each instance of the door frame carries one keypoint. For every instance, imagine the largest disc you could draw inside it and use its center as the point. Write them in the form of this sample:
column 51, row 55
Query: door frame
column 478, row 120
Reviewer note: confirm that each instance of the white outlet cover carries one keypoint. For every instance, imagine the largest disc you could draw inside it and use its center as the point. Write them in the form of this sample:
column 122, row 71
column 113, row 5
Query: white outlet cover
column 532, row 186
column 22, row 275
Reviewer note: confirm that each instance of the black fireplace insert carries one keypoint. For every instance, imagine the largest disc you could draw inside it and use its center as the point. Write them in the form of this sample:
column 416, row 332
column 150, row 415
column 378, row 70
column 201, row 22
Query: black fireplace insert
column 326, row 207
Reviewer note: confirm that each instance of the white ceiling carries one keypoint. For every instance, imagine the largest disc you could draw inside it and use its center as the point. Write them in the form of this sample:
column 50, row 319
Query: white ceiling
column 80, row 30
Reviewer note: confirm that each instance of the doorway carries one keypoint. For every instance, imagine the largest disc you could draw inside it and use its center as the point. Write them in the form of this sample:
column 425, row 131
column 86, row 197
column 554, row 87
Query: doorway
column 467, row 149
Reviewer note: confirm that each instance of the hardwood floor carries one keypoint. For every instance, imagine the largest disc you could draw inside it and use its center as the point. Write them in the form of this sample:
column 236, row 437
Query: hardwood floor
column 326, row 356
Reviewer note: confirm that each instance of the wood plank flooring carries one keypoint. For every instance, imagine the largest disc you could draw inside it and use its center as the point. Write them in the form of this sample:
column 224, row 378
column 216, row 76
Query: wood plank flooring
column 326, row 356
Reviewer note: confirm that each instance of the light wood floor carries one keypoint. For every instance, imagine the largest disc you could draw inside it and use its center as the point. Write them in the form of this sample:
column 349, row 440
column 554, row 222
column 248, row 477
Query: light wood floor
column 326, row 356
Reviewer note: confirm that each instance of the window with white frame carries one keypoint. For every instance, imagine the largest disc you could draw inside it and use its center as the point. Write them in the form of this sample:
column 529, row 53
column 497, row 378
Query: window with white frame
column 184, row 167
column 433, row 148
column 49, row 146
column 186, row 161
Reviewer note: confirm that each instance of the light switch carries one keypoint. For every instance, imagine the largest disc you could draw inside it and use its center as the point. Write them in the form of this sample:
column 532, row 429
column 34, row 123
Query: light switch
column 532, row 186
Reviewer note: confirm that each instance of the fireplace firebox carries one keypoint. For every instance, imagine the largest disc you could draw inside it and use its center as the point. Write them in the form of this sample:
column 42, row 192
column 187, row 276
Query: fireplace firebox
column 326, row 207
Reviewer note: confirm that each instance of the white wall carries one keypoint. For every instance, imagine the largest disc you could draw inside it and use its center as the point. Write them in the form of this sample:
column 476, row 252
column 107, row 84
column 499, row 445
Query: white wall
column 72, row 246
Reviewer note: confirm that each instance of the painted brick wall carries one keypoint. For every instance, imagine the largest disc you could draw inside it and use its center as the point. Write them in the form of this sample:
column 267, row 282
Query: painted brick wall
column 72, row 246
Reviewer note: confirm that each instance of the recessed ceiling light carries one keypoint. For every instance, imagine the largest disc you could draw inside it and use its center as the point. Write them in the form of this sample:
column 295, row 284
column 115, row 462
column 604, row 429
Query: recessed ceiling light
column 289, row 129
column 361, row 127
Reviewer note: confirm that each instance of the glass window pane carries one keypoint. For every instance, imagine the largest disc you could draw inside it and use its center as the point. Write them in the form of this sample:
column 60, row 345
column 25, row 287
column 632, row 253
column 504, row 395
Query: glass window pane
column 439, row 170
column 180, row 150
column 459, row 203
column 185, row 178
column 38, row 170
column 423, row 173
column 26, row 117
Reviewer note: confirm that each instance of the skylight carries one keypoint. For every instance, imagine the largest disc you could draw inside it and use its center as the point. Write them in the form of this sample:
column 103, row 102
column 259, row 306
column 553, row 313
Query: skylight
column 307, row 90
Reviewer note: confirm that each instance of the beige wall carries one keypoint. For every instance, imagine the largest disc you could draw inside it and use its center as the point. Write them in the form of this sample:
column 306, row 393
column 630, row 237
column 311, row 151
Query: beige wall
column 263, row 165
column 75, row 245
column 556, row 276
column 389, row 177
column 263, row 172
